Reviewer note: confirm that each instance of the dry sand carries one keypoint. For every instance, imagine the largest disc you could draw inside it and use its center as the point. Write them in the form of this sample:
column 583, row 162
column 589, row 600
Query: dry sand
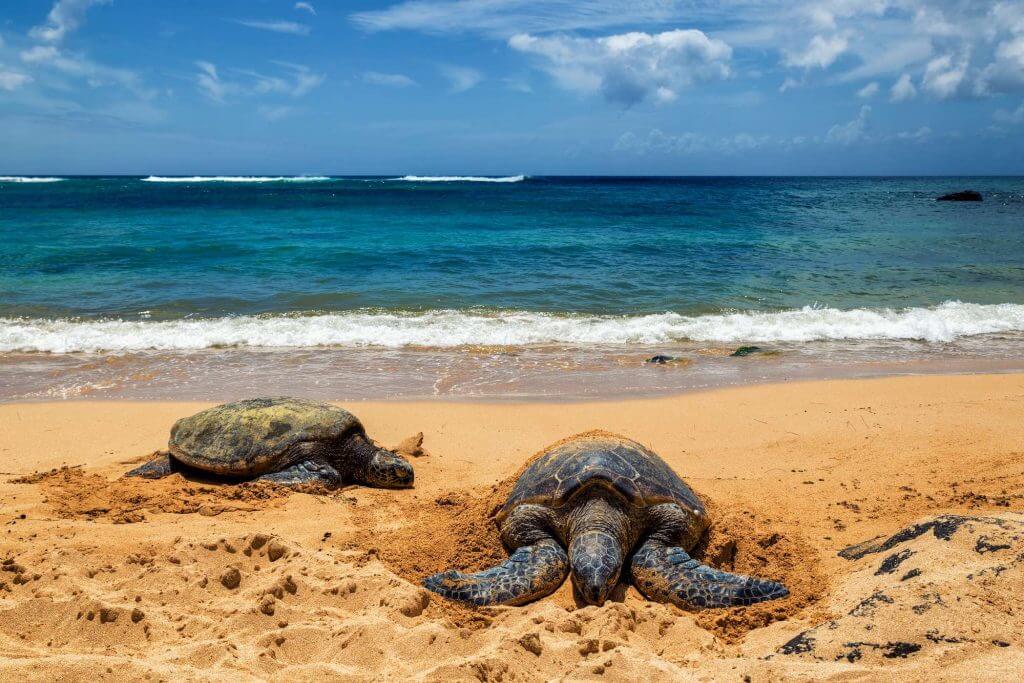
column 108, row 579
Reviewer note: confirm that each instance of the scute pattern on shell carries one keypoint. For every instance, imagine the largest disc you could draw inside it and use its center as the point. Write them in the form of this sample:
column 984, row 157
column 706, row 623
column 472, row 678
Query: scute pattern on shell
column 600, row 458
column 256, row 436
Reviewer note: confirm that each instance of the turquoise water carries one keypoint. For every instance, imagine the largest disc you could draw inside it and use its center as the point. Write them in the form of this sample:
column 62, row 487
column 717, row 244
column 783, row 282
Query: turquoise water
column 125, row 265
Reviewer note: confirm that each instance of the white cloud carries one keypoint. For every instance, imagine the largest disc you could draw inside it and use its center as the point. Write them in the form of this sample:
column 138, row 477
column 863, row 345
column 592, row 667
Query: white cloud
column 877, row 38
column 209, row 82
column 295, row 80
column 851, row 131
column 820, row 53
column 944, row 76
column 630, row 67
column 290, row 27
column 305, row 6
column 922, row 134
column 45, row 58
column 868, row 91
column 392, row 80
column 460, row 78
column 1006, row 116
column 903, row 89
column 658, row 142
column 65, row 17
column 274, row 112
column 503, row 18
column 12, row 80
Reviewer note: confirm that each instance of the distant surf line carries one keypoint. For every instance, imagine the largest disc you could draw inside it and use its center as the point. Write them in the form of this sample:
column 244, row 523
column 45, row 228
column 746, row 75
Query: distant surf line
column 234, row 179
column 28, row 179
column 461, row 179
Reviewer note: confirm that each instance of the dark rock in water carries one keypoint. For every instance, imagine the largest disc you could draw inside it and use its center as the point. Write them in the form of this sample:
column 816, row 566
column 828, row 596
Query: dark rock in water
column 964, row 196
column 746, row 351
column 662, row 359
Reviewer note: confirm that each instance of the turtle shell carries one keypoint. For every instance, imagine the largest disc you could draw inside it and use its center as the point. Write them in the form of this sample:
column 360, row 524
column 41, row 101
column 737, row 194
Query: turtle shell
column 253, row 437
column 610, row 461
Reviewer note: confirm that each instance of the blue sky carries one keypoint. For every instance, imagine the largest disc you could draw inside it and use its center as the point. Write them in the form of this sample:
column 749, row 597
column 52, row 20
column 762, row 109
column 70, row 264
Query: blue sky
column 512, row 86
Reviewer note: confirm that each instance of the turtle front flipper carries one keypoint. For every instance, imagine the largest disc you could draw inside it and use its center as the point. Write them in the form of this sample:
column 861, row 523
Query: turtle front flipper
column 311, row 471
column 667, row 574
column 159, row 467
column 530, row 573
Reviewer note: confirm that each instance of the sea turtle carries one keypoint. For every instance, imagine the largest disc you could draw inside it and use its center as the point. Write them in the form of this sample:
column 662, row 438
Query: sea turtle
column 608, row 500
column 283, row 440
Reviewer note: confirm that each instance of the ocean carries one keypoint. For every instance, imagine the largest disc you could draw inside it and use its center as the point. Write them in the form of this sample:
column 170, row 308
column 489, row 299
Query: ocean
column 478, row 287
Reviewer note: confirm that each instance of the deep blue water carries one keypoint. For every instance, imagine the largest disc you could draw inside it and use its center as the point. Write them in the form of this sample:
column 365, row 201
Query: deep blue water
column 118, row 247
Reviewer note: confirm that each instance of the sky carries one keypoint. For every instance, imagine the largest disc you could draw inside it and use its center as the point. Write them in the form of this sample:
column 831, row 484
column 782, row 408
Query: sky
column 643, row 87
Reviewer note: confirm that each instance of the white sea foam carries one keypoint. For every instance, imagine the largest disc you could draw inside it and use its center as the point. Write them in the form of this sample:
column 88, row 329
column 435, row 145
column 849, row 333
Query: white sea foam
column 234, row 179
column 461, row 179
column 27, row 179
column 445, row 329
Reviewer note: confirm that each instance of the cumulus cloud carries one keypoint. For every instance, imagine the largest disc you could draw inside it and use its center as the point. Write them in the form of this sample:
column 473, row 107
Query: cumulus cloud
column 65, row 17
column 851, row 131
column 820, row 53
column 984, row 39
column 630, row 67
column 903, row 89
column 868, row 91
column 461, row 78
column 944, row 76
column 306, row 7
column 392, row 80
column 290, row 27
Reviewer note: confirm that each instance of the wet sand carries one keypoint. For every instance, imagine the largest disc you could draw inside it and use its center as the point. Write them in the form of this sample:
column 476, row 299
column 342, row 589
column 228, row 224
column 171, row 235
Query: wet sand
column 108, row 579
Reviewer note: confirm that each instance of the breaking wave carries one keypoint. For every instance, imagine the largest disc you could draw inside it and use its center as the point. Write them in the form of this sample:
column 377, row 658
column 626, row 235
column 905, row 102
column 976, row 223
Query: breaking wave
column 233, row 179
column 27, row 179
column 461, row 179
column 450, row 328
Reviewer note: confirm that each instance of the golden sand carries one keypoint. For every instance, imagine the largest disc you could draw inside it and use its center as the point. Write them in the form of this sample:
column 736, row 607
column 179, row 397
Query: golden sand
column 110, row 579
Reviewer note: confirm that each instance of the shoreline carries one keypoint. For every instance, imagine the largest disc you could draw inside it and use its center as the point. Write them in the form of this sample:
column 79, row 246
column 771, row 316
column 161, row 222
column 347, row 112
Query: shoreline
column 792, row 473
column 516, row 376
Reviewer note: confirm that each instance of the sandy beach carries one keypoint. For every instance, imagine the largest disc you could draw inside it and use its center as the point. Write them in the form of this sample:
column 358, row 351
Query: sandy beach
column 111, row 579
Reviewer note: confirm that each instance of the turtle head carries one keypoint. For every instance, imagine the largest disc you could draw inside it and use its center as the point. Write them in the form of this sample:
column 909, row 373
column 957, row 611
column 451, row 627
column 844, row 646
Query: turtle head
column 388, row 470
column 596, row 560
column 598, row 530
column 374, row 466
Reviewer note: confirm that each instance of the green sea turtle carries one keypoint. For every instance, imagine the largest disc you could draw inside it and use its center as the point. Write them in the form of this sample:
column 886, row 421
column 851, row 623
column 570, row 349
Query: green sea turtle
column 283, row 440
column 588, row 505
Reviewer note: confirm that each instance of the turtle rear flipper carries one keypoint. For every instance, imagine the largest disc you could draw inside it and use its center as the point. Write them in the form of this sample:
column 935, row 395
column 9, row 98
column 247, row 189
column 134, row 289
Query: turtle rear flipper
column 530, row 573
column 667, row 574
column 159, row 467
